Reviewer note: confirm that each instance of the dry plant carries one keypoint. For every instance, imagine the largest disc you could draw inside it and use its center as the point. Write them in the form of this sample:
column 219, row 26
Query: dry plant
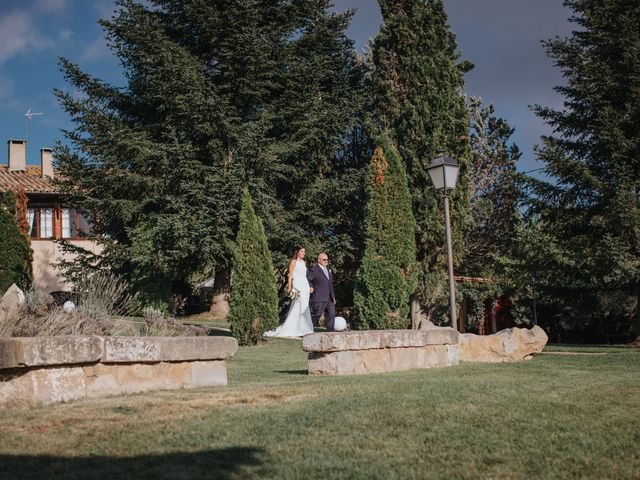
column 157, row 324
column 102, row 305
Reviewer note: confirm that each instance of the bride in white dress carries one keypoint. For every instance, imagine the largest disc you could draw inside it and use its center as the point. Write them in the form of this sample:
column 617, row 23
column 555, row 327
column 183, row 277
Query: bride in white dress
column 298, row 322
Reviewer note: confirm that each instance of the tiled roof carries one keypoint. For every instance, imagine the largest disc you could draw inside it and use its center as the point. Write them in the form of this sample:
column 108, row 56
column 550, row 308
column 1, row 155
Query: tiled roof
column 30, row 180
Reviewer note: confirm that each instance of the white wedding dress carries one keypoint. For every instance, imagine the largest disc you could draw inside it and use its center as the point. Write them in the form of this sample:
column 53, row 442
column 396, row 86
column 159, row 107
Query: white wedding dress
column 298, row 322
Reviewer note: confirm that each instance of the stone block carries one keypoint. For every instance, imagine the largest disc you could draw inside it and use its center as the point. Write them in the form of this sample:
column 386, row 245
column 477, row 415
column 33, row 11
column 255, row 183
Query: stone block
column 208, row 373
column 44, row 351
column 118, row 379
column 178, row 349
column 377, row 339
column 167, row 349
column 41, row 386
column 509, row 345
column 131, row 349
column 57, row 384
column 11, row 302
column 15, row 388
column 382, row 360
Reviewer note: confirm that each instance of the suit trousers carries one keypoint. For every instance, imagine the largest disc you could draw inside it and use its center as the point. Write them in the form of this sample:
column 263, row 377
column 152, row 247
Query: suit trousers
column 328, row 308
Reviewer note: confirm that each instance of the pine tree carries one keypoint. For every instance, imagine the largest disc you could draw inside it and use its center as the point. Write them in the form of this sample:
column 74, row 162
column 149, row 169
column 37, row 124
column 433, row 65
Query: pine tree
column 492, row 187
column 417, row 87
column 387, row 275
column 589, row 213
column 16, row 255
column 492, row 240
column 218, row 94
column 254, row 296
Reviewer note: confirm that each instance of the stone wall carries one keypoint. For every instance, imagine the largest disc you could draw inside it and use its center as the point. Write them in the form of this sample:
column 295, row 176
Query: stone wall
column 43, row 370
column 375, row 351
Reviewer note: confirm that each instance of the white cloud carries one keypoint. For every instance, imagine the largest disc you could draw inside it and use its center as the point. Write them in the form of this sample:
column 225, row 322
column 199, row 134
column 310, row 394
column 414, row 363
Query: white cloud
column 18, row 35
column 95, row 50
column 52, row 6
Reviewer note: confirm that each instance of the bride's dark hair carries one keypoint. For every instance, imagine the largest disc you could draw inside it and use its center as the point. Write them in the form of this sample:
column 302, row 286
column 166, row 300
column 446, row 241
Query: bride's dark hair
column 295, row 250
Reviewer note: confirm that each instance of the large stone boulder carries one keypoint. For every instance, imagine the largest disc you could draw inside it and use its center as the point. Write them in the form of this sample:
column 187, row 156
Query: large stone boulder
column 509, row 345
column 11, row 302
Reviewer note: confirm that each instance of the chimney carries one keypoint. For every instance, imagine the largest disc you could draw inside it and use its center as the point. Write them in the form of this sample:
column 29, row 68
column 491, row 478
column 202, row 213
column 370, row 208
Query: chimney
column 17, row 155
column 46, row 162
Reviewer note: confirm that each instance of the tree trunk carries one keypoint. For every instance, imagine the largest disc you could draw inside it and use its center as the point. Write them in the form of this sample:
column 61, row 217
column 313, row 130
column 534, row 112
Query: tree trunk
column 416, row 312
column 221, row 290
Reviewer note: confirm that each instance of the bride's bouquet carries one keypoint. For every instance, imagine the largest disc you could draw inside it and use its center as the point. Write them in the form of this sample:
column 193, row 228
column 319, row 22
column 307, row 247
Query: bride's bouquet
column 294, row 294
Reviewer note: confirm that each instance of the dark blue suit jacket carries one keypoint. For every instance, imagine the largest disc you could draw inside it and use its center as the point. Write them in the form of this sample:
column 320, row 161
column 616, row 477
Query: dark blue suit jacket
column 322, row 286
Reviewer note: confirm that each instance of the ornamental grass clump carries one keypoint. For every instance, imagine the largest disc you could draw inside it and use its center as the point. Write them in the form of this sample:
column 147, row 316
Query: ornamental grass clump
column 158, row 324
column 102, row 306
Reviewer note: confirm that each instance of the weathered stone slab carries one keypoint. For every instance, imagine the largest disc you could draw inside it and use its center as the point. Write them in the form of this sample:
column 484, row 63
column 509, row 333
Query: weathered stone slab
column 117, row 379
column 510, row 345
column 382, row 360
column 167, row 349
column 42, row 351
column 11, row 302
column 378, row 339
column 42, row 386
column 43, row 370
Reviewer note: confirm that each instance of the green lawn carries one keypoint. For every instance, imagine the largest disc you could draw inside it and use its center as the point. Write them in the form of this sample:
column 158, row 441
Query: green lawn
column 557, row 416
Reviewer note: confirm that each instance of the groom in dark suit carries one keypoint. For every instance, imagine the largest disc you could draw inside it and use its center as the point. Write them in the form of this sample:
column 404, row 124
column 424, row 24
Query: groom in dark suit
column 323, row 297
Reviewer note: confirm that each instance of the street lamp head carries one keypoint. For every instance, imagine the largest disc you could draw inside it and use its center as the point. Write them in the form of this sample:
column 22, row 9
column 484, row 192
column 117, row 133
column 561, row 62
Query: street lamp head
column 444, row 173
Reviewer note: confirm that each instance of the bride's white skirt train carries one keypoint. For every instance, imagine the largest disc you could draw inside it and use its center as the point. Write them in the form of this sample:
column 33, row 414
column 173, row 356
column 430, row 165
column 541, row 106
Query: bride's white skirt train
column 298, row 322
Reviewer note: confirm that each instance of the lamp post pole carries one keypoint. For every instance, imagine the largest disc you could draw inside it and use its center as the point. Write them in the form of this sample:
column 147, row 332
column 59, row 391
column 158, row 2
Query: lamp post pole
column 452, row 285
column 444, row 171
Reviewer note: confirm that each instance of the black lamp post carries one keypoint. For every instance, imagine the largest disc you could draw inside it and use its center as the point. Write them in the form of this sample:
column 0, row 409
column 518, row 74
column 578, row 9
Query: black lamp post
column 444, row 175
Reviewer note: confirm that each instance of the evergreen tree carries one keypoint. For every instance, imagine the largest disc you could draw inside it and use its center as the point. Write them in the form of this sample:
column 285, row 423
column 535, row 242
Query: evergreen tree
column 492, row 241
column 493, row 191
column 254, row 296
column 588, row 215
column 216, row 92
column 417, row 87
column 387, row 276
column 16, row 255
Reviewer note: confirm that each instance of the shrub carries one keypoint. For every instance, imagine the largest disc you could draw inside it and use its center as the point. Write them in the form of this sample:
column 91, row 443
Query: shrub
column 387, row 276
column 254, row 295
column 16, row 255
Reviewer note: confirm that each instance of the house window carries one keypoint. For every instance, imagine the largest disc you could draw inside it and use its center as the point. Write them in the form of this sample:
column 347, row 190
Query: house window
column 31, row 218
column 74, row 225
column 46, row 222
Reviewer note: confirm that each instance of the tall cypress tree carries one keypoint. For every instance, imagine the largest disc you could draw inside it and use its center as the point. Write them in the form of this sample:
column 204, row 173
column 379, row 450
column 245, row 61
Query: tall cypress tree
column 254, row 297
column 589, row 214
column 218, row 94
column 387, row 275
column 16, row 255
column 417, row 94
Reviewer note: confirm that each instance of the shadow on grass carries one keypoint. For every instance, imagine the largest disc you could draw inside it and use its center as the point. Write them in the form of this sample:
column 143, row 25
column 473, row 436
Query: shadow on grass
column 224, row 463
column 294, row 372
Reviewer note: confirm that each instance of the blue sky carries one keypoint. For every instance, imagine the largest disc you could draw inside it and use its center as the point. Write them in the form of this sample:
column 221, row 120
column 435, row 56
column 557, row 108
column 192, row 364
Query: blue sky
column 502, row 38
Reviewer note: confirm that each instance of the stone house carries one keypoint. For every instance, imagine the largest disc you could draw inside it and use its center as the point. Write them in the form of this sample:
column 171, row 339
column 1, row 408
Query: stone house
column 47, row 216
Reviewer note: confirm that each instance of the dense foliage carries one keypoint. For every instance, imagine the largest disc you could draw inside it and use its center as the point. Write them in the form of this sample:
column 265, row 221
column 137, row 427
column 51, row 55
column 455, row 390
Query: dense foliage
column 254, row 296
column 585, row 235
column 387, row 276
column 219, row 95
column 417, row 95
column 492, row 260
column 16, row 255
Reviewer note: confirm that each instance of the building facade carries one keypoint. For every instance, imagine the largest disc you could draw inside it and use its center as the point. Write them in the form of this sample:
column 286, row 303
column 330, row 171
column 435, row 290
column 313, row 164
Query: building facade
column 48, row 218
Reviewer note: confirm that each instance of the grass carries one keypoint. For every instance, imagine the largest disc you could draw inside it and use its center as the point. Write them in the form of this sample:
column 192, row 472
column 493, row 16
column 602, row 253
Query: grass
column 557, row 416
